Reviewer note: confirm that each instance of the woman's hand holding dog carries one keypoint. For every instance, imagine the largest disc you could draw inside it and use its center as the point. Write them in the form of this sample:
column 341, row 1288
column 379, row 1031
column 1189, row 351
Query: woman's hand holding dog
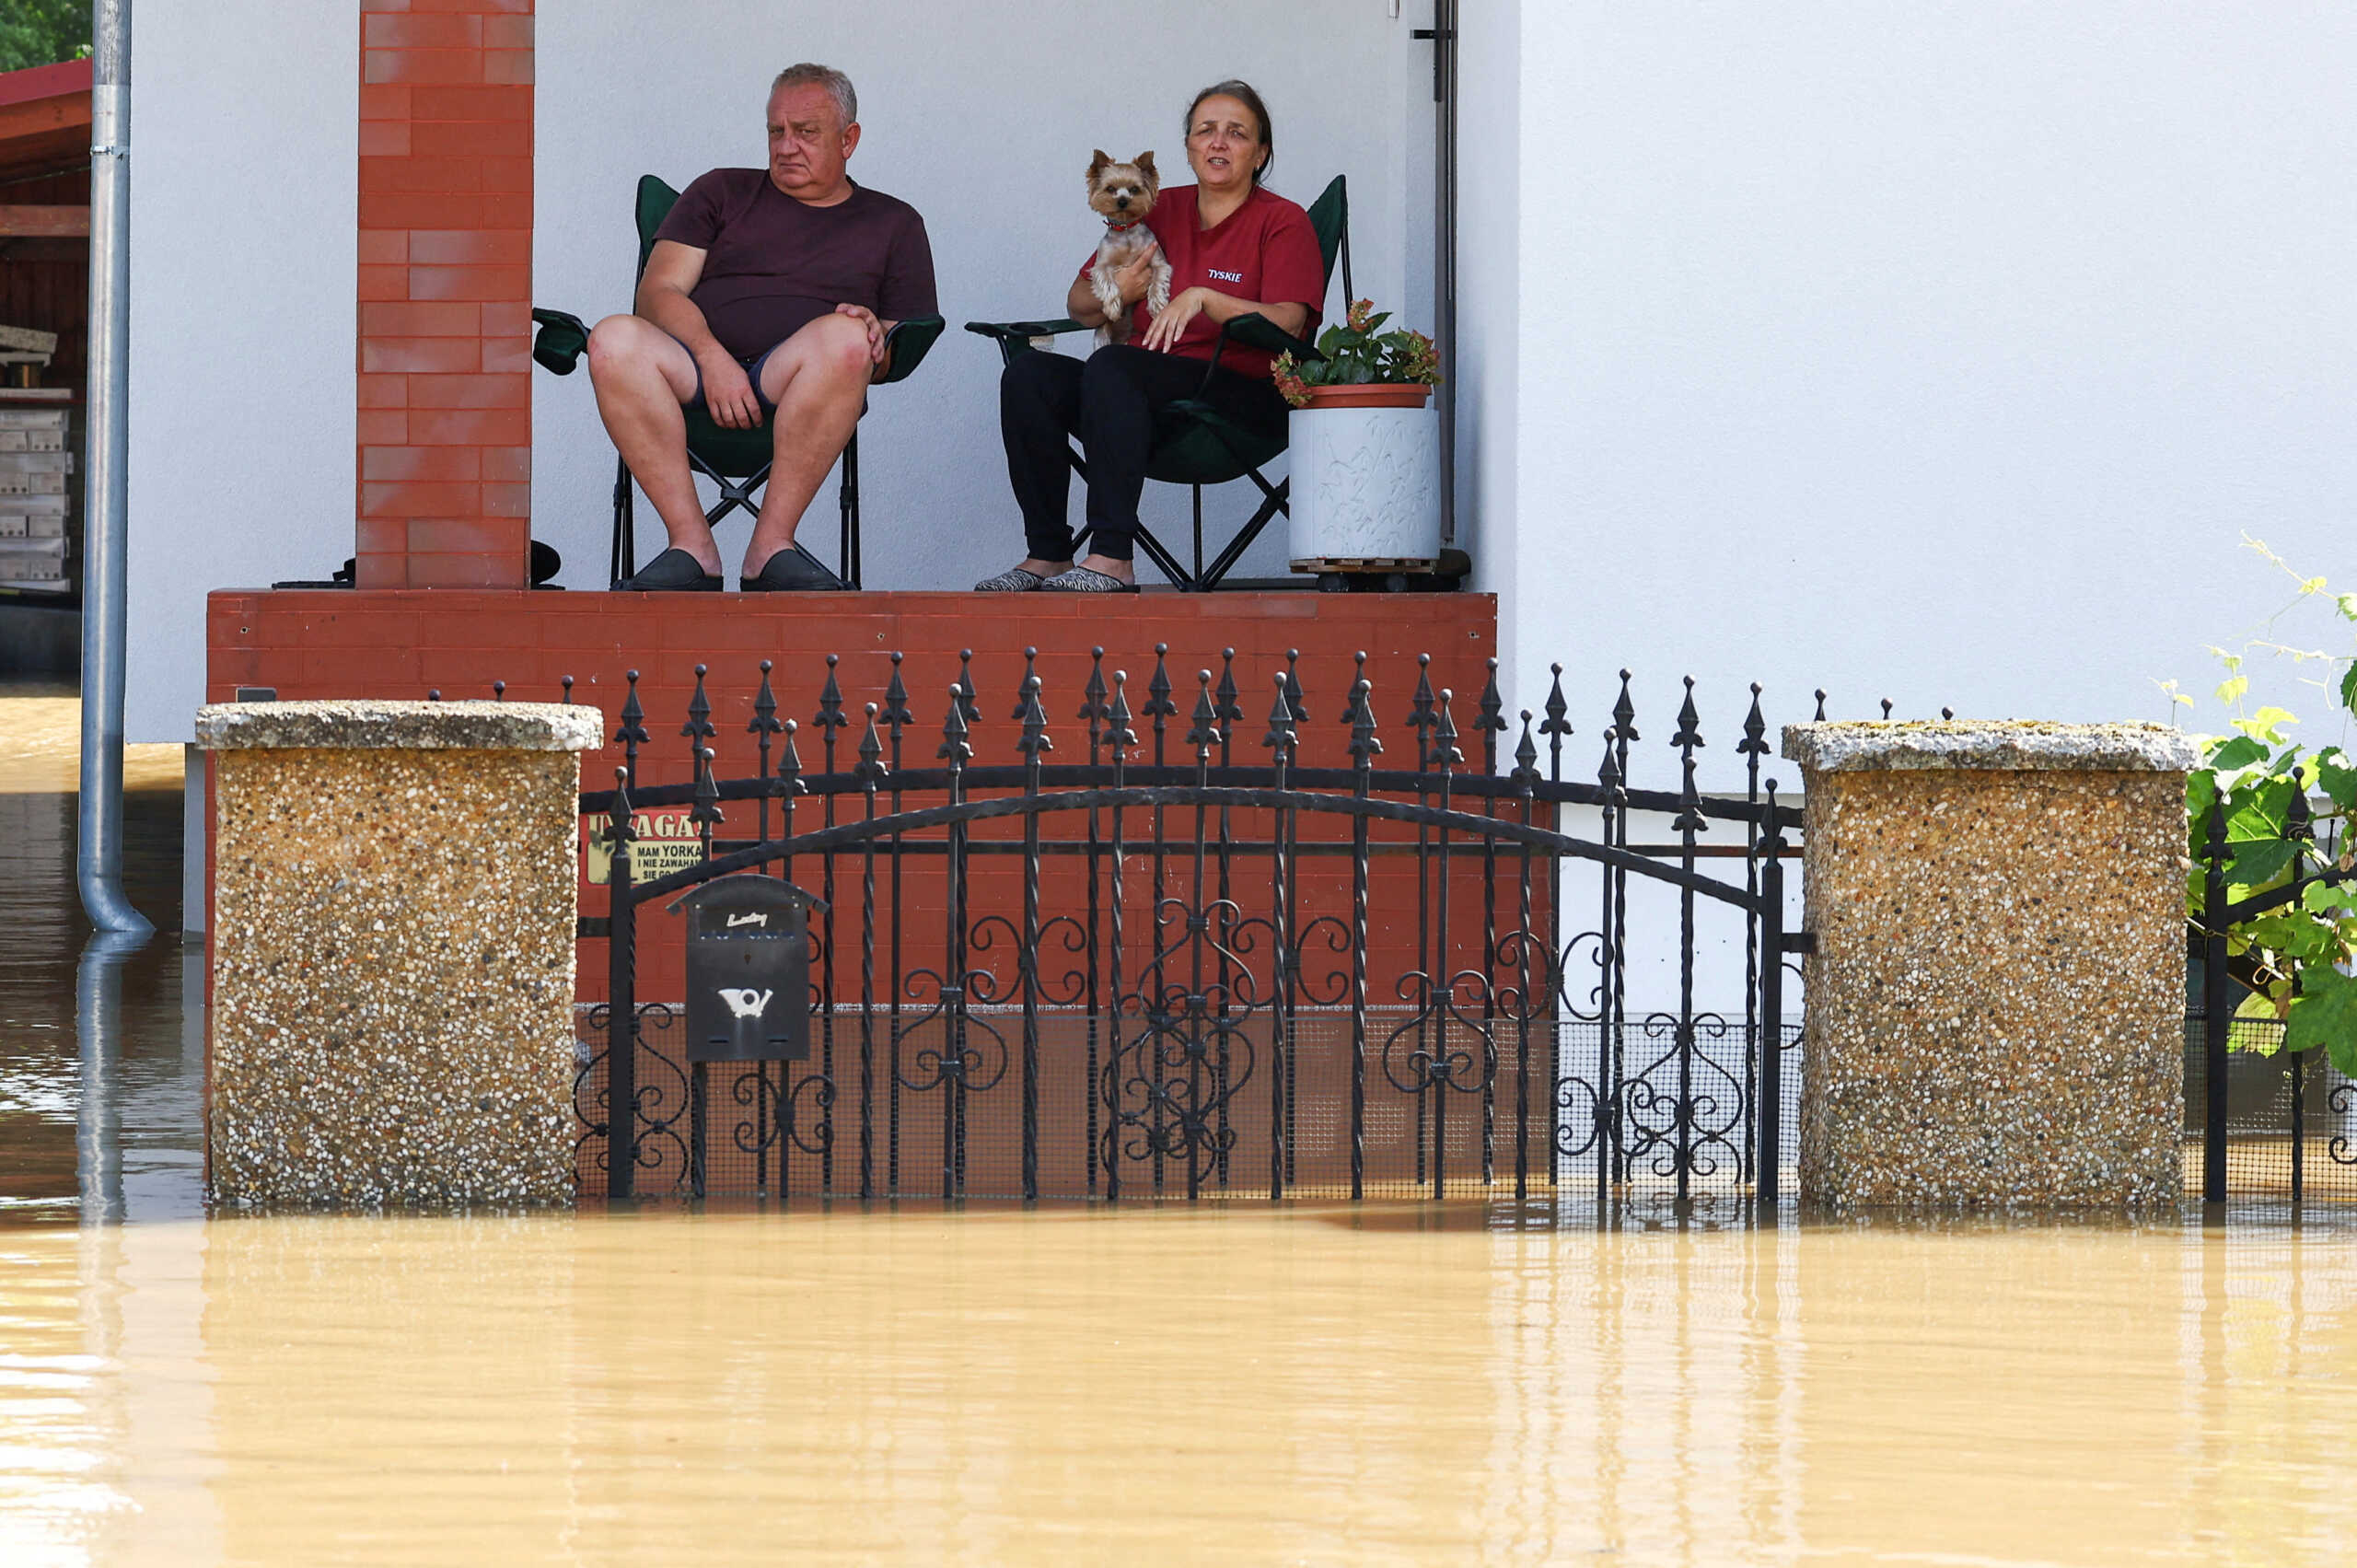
column 1137, row 275
column 1132, row 281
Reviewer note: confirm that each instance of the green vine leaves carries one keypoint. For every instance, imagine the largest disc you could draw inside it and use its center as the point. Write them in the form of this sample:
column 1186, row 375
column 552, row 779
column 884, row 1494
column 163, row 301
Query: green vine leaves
column 2296, row 958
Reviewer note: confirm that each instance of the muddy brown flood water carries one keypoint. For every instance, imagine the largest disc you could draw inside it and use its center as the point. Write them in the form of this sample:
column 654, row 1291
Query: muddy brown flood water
column 1397, row 1383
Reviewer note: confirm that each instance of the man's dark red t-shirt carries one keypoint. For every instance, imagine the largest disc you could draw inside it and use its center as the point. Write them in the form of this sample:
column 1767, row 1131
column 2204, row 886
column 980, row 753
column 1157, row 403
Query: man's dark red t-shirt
column 772, row 265
column 1265, row 250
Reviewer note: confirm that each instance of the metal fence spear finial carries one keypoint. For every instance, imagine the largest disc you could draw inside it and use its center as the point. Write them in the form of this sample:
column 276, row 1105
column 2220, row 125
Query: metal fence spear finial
column 706, row 811
column 1556, row 725
column 764, row 723
column 954, row 731
column 1420, row 711
column 633, row 732
column 829, row 717
column 699, row 727
column 896, row 698
column 964, row 693
column 1364, row 744
column 1159, row 705
column 870, row 766
column 1755, row 728
column 1689, row 739
column 1035, row 742
column 620, row 826
column 1203, row 734
column 1117, row 733
column 1444, row 754
column 1227, row 695
column 1092, row 695
column 1283, row 729
column 789, row 761
column 1490, row 719
column 1689, row 722
column 1023, row 688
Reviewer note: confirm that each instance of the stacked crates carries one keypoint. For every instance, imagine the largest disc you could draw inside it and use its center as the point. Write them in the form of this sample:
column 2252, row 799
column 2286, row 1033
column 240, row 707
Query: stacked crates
column 35, row 470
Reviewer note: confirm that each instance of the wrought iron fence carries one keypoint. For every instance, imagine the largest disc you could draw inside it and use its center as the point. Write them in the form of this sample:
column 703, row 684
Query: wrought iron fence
column 2265, row 1121
column 2290, row 1117
column 1205, row 956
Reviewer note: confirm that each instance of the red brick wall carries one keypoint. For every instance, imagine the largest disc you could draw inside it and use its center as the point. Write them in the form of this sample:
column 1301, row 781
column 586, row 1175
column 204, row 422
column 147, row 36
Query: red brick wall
column 444, row 286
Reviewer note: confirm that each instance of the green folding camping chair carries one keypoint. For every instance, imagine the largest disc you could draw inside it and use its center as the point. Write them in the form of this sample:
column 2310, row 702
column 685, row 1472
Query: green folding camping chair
column 736, row 461
column 1195, row 446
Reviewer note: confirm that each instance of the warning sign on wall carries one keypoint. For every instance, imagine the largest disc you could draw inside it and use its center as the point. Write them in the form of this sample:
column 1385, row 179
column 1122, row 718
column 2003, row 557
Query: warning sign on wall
column 666, row 841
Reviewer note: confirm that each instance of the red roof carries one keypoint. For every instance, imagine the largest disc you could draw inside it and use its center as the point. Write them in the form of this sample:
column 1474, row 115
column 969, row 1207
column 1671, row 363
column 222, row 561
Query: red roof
column 45, row 119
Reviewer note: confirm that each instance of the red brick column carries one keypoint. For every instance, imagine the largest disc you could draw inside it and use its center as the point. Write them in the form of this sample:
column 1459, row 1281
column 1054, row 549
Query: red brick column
column 446, row 278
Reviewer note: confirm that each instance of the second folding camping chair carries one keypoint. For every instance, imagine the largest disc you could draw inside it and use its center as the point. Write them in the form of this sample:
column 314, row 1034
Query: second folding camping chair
column 1196, row 446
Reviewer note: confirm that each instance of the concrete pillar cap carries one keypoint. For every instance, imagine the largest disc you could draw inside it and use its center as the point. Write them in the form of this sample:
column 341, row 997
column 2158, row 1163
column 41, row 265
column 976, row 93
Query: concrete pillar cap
column 2004, row 746
column 365, row 725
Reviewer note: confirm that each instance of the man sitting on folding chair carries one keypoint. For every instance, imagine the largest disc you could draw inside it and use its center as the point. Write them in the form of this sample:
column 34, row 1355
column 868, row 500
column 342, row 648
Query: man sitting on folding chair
column 1236, row 249
column 768, row 297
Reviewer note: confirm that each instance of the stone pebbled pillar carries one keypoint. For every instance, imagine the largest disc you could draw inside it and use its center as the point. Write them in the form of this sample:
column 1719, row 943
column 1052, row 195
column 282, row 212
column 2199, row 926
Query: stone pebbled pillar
column 394, row 892
column 1996, row 1001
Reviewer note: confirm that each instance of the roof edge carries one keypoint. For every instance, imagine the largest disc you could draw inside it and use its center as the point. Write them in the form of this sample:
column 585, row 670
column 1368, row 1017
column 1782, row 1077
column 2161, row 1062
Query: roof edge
column 64, row 79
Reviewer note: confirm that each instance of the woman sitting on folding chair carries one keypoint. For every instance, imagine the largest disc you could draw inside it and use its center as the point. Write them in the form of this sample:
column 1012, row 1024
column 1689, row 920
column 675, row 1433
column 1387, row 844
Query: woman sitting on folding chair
column 1234, row 248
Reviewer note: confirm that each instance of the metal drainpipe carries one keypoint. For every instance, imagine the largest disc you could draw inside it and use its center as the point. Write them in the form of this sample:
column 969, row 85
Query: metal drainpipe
column 1446, row 22
column 99, row 862
column 1443, row 34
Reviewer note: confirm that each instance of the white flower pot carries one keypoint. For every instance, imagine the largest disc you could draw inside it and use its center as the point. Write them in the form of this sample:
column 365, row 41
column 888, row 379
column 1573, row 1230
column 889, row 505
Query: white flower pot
column 1365, row 492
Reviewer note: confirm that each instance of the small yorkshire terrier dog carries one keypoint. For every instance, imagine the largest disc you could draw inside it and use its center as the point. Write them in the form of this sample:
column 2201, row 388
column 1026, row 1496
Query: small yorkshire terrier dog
column 1123, row 193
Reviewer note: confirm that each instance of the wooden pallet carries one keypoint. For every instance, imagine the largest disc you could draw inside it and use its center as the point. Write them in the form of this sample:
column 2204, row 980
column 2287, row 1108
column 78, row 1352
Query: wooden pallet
column 1364, row 563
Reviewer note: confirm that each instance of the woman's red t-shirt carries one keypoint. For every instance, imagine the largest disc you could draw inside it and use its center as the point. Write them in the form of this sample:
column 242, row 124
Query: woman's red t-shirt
column 1264, row 251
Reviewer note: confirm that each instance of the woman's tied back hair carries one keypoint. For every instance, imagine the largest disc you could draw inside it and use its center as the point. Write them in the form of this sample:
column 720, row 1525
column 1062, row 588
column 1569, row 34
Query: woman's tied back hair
column 1245, row 94
column 838, row 86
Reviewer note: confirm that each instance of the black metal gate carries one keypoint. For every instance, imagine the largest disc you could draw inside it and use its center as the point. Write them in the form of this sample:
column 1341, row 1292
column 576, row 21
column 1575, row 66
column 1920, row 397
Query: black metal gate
column 1183, row 958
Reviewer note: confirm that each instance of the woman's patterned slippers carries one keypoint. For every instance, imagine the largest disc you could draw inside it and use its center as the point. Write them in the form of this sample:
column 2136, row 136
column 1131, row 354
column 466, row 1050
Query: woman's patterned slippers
column 1087, row 580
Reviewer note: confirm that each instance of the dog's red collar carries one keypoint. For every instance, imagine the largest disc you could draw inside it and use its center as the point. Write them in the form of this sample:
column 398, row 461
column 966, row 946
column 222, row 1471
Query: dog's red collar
column 1112, row 228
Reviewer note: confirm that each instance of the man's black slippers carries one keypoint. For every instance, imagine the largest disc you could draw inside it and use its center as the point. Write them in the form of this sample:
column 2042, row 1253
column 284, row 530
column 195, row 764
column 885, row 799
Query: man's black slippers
column 674, row 570
column 789, row 570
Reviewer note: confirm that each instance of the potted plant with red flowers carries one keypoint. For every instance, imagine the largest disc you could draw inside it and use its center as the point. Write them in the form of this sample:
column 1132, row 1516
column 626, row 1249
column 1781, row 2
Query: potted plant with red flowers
column 1365, row 444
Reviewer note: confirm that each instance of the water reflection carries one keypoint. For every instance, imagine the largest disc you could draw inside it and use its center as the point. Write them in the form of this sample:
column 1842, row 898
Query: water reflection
column 98, row 1028
column 141, row 1049
column 1010, row 1387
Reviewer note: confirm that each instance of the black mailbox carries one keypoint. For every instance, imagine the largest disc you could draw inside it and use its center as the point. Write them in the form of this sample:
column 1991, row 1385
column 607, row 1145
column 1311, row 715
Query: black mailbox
column 748, row 970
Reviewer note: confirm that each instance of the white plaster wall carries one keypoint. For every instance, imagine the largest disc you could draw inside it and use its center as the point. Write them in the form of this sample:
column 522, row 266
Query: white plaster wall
column 244, row 128
column 982, row 117
column 1940, row 352
column 1489, row 310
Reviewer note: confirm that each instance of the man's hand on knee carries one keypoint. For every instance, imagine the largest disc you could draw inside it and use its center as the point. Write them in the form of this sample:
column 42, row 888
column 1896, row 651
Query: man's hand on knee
column 878, row 333
column 728, row 393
